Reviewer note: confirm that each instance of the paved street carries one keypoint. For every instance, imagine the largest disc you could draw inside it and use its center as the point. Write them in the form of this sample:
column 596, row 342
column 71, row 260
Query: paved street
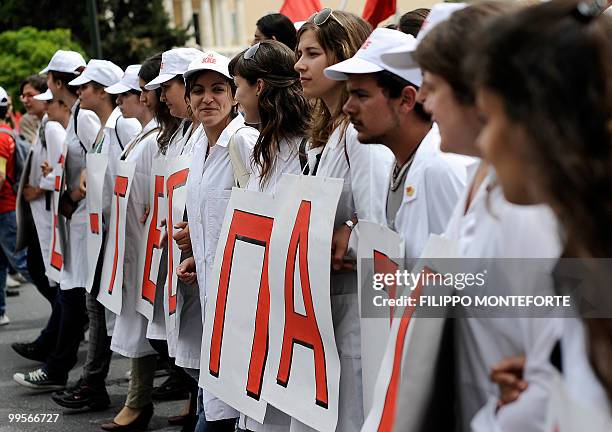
column 28, row 313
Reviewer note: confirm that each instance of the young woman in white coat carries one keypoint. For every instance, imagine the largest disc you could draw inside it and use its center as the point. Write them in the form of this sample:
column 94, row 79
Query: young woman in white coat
column 48, row 146
column 129, row 335
column 325, row 39
column 83, row 127
column 560, row 157
column 275, row 102
column 484, row 224
column 178, row 345
column 210, row 90
column 114, row 134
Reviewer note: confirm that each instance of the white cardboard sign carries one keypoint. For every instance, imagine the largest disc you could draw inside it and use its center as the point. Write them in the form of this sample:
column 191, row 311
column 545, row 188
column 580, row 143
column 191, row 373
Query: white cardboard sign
column 111, row 281
column 96, row 171
column 56, row 247
column 151, row 251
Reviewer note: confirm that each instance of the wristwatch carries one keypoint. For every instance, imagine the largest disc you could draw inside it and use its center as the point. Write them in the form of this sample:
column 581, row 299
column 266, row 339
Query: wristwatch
column 349, row 223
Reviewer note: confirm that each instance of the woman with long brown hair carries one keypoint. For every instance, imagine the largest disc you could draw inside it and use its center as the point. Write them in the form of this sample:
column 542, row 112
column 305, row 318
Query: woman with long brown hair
column 327, row 38
column 547, row 110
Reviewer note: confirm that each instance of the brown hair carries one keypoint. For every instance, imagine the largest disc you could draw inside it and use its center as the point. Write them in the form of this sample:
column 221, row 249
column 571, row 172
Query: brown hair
column 445, row 47
column 283, row 109
column 411, row 22
column 559, row 91
column 340, row 37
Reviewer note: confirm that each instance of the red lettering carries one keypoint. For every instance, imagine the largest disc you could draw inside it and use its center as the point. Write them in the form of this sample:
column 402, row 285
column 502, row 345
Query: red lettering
column 57, row 259
column 94, row 223
column 254, row 229
column 121, row 185
column 301, row 329
column 384, row 265
column 175, row 181
column 388, row 415
column 153, row 242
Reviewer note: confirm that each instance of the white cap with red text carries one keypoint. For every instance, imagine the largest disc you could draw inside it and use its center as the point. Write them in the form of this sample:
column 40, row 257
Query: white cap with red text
column 211, row 60
column 368, row 58
column 401, row 57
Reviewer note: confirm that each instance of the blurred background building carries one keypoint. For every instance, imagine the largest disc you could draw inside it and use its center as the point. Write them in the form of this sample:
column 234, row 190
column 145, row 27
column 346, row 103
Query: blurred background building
column 228, row 25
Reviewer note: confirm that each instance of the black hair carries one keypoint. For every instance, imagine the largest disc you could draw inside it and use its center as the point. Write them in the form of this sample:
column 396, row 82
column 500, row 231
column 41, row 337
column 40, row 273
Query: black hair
column 66, row 77
column 38, row 83
column 169, row 124
column 393, row 85
column 280, row 27
column 3, row 112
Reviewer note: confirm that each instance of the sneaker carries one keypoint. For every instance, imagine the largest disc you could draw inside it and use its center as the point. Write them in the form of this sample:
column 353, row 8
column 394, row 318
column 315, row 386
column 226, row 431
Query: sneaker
column 4, row 320
column 13, row 281
column 38, row 379
column 83, row 396
column 29, row 350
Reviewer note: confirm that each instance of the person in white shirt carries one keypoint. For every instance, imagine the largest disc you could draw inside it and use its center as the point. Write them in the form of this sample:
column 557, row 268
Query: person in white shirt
column 210, row 90
column 276, row 104
column 544, row 154
column 83, row 127
column 326, row 38
column 115, row 133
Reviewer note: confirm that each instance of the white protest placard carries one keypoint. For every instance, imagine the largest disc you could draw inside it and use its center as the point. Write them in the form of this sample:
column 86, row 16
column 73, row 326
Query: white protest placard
column 303, row 367
column 380, row 251
column 408, row 365
column 111, row 281
column 56, row 247
column 177, row 170
column 96, row 171
column 569, row 414
column 235, row 335
column 151, row 251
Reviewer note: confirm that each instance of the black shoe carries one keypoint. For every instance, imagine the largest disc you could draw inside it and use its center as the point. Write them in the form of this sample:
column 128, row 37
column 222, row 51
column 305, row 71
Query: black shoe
column 139, row 424
column 12, row 293
column 83, row 396
column 171, row 389
column 29, row 350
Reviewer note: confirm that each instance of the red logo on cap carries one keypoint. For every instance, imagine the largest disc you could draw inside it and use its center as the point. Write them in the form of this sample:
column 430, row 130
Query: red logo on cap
column 209, row 59
column 161, row 65
column 366, row 44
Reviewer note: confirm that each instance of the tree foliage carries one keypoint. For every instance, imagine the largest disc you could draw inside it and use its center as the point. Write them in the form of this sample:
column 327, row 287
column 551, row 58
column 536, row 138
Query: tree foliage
column 130, row 30
column 27, row 51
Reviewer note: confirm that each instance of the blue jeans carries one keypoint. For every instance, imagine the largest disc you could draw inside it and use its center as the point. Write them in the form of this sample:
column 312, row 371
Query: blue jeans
column 226, row 425
column 8, row 238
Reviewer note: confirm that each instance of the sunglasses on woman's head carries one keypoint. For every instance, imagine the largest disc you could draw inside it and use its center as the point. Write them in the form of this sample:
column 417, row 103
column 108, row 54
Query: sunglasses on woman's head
column 250, row 53
column 323, row 16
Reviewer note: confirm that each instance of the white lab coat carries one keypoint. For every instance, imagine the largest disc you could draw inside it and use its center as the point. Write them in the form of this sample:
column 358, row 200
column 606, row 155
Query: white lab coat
column 189, row 310
column 363, row 195
column 209, row 186
column 287, row 162
column 494, row 228
column 129, row 337
column 529, row 412
column 433, row 185
column 74, row 273
column 55, row 135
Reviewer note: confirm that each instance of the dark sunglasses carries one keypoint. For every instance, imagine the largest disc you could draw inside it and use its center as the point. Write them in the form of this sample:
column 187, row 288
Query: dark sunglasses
column 323, row 16
column 250, row 53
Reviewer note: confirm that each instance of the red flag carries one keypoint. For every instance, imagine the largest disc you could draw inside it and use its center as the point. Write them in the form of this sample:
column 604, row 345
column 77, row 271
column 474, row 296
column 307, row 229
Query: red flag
column 300, row 10
column 376, row 11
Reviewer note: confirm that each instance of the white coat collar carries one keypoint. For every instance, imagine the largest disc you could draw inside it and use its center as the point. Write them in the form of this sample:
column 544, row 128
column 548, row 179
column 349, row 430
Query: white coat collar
column 111, row 122
column 229, row 130
column 149, row 126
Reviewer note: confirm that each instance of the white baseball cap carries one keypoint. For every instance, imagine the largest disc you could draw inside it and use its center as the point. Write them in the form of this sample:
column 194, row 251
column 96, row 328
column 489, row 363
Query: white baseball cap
column 46, row 96
column 174, row 62
column 210, row 60
column 4, row 97
column 401, row 57
column 368, row 58
column 103, row 72
column 64, row 61
column 127, row 83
